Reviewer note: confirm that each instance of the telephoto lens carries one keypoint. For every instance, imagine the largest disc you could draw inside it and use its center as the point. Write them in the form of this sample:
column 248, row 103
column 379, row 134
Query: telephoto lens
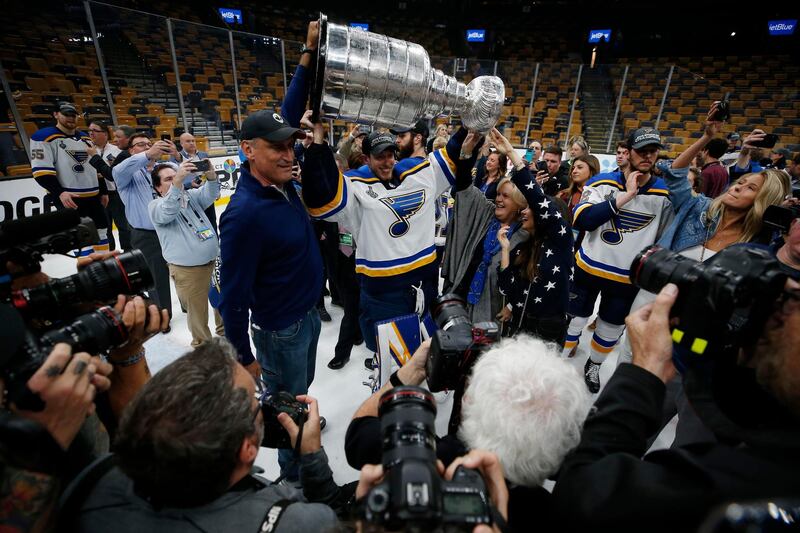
column 94, row 333
column 408, row 416
column 98, row 282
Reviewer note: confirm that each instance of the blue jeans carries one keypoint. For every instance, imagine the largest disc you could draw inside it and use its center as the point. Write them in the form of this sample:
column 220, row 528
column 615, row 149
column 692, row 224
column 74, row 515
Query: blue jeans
column 375, row 307
column 287, row 358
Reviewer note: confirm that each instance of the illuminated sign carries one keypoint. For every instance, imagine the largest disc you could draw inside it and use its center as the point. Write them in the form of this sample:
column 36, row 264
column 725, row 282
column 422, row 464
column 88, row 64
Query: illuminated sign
column 595, row 36
column 476, row 36
column 782, row 27
column 231, row 16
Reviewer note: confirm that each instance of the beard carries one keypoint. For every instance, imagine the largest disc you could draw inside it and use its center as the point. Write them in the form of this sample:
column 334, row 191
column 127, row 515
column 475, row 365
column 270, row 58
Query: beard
column 406, row 150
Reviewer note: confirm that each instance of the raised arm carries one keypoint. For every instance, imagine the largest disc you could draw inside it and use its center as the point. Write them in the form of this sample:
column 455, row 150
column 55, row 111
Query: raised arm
column 469, row 144
column 294, row 103
column 710, row 130
column 326, row 192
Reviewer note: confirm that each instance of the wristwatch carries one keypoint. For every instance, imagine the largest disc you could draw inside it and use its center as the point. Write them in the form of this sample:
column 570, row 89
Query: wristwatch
column 306, row 50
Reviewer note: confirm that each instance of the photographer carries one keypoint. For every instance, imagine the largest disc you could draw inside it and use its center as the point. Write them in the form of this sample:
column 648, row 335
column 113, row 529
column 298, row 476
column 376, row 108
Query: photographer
column 543, row 402
column 185, row 451
column 754, row 408
column 35, row 454
column 188, row 240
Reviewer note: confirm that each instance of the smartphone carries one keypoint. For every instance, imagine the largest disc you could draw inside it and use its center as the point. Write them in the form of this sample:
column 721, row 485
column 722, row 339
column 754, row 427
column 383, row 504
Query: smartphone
column 541, row 166
column 723, row 111
column 165, row 137
column 528, row 155
column 769, row 141
column 204, row 165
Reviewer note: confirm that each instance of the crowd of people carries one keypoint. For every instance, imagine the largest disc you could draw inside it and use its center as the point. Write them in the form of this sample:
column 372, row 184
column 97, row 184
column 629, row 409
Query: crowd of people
column 534, row 239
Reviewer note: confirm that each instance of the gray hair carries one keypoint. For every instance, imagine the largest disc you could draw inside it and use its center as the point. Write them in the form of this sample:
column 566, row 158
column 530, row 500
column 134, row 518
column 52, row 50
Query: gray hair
column 179, row 439
column 527, row 405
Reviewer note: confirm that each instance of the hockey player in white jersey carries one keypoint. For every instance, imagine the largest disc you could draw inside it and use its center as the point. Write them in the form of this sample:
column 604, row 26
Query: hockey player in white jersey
column 392, row 219
column 60, row 164
column 620, row 216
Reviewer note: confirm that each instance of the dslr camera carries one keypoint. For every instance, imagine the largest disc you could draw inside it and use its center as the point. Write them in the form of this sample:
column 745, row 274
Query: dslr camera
column 275, row 435
column 456, row 344
column 413, row 496
column 33, row 320
column 780, row 217
column 722, row 303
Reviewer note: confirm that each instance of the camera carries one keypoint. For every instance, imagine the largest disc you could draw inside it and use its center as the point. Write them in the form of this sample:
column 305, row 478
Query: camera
column 127, row 273
column 24, row 241
column 456, row 344
column 781, row 218
column 275, row 435
column 722, row 303
column 413, row 496
column 203, row 165
column 95, row 332
column 723, row 111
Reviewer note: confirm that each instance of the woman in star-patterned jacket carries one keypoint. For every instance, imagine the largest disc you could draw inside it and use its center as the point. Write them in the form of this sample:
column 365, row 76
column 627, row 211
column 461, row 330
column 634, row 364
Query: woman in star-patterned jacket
column 535, row 276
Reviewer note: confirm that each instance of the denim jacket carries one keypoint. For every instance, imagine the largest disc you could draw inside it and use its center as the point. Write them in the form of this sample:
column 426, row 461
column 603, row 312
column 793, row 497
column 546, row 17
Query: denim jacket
column 691, row 225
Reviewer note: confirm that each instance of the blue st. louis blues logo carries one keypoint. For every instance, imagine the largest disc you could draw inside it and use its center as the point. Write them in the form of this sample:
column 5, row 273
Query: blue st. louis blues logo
column 625, row 222
column 80, row 156
column 404, row 206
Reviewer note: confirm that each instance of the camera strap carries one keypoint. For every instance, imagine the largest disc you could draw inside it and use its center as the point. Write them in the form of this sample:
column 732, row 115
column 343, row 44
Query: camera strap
column 273, row 516
column 498, row 520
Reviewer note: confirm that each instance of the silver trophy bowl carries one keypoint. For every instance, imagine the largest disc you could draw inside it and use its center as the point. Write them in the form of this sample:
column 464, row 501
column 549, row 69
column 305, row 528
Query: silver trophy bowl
column 373, row 79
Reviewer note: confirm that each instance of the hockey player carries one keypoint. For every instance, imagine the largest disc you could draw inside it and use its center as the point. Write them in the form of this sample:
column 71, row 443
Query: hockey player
column 410, row 146
column 60, row 164
column 621, row 216
column 392, row 220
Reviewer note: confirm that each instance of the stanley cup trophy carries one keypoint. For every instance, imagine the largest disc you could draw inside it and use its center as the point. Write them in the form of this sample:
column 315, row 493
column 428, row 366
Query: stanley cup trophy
column 373, row 79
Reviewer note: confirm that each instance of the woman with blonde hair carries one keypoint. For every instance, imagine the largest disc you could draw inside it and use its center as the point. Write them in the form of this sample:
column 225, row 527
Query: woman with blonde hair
column 578, row 147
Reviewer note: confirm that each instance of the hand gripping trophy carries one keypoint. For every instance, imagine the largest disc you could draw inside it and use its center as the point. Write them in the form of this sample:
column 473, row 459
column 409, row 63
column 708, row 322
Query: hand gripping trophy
column 373, row 79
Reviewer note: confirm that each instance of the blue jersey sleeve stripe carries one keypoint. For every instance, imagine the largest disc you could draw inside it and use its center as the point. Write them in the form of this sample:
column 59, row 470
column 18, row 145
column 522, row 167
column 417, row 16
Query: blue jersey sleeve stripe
column 395, row 262
column 445, row 167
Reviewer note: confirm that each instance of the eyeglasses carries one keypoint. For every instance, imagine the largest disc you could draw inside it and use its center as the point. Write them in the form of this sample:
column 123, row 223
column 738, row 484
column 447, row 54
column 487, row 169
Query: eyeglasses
column 148, row 144
column 91, row 130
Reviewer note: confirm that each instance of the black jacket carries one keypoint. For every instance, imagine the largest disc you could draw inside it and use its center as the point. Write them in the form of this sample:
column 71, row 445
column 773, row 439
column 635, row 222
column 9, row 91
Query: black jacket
column 605, row 486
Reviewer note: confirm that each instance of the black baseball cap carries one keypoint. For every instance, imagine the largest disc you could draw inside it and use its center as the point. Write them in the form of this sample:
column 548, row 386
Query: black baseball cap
column 641, row 137
column 270, row 126
column 377, row 142
column 363, row 130
column 66, row 108
column 420, row 127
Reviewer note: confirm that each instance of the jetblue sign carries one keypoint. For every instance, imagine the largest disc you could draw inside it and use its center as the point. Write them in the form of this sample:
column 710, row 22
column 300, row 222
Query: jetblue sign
column 360, row 25
column 231, row 16
column 782, row 27
column 476, row 36
column 595, row 36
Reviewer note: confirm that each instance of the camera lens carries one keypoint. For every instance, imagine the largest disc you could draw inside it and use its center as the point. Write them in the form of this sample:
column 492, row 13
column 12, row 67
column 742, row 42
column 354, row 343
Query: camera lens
column 93, row 333
column 450, row 310
column 407, row 425
column 654, row 267
column 123, row 274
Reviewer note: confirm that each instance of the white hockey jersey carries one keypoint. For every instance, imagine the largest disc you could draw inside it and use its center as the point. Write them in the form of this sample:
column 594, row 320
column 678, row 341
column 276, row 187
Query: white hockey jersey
column 395, row 228
column 53, row 153
column 613, row 237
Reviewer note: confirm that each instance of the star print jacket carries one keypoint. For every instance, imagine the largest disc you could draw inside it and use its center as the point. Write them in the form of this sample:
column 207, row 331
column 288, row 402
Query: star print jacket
column 547, row 295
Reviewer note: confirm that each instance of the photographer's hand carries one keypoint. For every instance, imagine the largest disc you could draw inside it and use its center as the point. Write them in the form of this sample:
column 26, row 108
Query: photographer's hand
column 185, row 168
column 492, row 471
column 67, row 384
column 371, row 475
column 312, row 441
column 649, row 334
column 413, row 372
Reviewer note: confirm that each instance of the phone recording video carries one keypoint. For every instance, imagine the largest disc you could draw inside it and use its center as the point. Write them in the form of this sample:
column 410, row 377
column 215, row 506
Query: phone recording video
column 203, row 165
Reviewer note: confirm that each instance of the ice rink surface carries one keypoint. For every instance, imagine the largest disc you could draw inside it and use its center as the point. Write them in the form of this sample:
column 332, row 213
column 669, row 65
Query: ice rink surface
column 339, row 392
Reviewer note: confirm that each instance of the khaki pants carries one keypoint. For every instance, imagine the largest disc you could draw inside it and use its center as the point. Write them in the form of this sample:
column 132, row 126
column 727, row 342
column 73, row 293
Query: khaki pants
column 192, row 284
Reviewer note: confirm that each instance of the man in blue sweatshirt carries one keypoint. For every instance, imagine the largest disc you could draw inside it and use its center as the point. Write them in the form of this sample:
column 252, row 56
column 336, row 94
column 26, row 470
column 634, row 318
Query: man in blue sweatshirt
column 271, row 268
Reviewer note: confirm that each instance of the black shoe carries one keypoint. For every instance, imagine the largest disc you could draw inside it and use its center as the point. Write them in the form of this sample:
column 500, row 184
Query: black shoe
column 324, row 315
column 369, row 363
column 359, row 341
column 591, row 375
column 322, row 423
column 336, row 364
